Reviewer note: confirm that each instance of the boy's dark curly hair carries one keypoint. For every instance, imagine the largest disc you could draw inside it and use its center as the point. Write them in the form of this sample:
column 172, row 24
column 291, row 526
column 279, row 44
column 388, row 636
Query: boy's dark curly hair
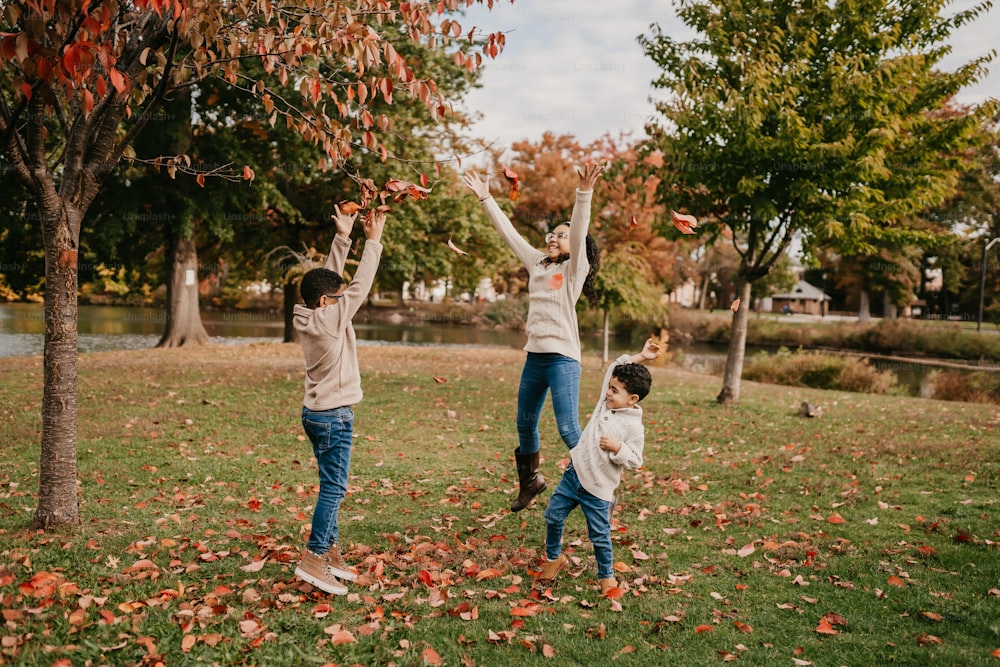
column 593, row 257
column 318, row 282
column 635, row 378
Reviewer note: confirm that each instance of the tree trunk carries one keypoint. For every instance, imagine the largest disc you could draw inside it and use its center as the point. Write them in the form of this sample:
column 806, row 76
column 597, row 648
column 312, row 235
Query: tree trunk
column 737, row 347
column 290, row 294
column 889, row 310
column 184, row 325
column 57, row 493
column 703, row 293
column 607, row 327
column 864, row 310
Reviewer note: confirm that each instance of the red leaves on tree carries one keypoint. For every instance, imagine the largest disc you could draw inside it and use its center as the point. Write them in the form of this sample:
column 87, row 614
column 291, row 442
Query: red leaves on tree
column 400, row 190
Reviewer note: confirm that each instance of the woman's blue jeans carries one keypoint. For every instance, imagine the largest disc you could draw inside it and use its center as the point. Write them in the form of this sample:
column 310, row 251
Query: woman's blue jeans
column 565, row 498
column 331, row 434
column 542, row 372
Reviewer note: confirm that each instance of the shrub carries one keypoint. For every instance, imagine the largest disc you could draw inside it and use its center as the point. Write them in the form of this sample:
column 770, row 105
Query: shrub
column 820, row 371
column 975, row 387
column 507, row 313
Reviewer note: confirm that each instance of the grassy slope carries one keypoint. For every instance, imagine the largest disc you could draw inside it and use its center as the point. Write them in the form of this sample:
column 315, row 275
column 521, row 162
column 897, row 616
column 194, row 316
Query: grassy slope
column 193, row 469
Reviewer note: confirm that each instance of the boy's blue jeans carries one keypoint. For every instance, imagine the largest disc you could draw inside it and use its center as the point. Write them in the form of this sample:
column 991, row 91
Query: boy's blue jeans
column 567, row 496
column 542, row 372
column 331, row 433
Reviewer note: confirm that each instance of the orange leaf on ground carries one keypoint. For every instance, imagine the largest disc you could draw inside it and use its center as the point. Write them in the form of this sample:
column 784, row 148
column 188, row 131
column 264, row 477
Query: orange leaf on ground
column 614, row 593
column 996, row 653
column 836, row 518
column 703, row 628
column 430, row 657
column 896, row 581
column 924, row 639
column 825, row 628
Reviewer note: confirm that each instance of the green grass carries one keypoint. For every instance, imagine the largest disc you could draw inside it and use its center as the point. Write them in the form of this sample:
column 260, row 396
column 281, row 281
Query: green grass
column 193, row 468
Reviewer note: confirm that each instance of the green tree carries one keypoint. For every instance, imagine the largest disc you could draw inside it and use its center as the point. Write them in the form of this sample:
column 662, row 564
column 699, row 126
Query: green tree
column 809, row 117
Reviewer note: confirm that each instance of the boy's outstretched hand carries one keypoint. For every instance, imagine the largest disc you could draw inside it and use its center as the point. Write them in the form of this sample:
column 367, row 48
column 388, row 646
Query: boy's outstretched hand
column 480, row 185
column 589, row 175
column 650, row 350
column 344, row 222
column 373, row 225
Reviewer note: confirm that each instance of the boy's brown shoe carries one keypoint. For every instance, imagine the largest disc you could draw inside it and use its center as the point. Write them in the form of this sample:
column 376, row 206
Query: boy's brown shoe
column 608, row 584
column 551, row 568
column 337, row 565
column 313, row 569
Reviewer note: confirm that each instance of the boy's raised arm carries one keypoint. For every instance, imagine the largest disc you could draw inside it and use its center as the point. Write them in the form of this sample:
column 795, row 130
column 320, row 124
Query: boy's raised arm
column 341, row 244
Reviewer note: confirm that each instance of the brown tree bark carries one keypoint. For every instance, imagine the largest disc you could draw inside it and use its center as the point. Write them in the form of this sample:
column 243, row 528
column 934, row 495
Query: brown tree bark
column 58, row 502
column 184, row 325
column 737, row 347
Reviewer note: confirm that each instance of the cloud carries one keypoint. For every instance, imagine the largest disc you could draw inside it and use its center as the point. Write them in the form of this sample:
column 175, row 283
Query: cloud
column 573, row 67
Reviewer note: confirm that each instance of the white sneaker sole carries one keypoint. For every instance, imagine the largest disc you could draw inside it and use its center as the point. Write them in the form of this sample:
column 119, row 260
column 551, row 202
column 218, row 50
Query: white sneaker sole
column 320, row 584
column 342, row 574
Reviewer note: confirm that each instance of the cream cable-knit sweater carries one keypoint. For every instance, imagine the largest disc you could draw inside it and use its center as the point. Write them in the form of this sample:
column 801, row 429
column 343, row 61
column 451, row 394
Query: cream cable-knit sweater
column 600, row 471
column 553, row 289
column 329, row 344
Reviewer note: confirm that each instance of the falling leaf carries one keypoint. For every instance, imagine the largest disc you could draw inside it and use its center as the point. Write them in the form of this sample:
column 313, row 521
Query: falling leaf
column 555, row 282
column 684, row 223
column 632, row 222
column 511, row 177
column 349, row 207
column 735, row 305
column 248, row 174
column 439, row 379
column 456, row 248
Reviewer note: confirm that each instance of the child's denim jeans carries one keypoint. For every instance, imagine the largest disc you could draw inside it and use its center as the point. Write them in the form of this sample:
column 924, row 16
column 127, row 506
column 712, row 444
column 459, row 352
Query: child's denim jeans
column 568, row 495
column 330, row 432
column 542, row 372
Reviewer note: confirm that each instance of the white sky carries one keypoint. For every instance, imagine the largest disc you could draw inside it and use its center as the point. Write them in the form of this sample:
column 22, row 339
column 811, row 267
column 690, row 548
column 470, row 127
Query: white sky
column 575, row 67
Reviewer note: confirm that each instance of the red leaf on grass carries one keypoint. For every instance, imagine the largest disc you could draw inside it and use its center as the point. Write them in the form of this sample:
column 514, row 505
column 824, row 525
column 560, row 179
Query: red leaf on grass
column 896, row 581
column 703, row 628
column 826, row 628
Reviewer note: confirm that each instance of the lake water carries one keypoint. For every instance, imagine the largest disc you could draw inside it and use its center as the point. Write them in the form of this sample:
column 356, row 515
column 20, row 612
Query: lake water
column 101, row 328
column 22, row 330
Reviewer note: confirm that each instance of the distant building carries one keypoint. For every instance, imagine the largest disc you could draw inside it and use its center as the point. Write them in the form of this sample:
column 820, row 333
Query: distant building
column 804, row 298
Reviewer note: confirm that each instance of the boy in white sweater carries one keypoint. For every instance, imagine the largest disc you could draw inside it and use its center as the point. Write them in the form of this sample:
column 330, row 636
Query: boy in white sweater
column 611, row 442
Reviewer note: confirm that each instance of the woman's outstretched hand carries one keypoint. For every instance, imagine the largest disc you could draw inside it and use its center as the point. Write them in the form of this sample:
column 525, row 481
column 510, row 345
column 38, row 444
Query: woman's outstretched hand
column 589, row 175
column 480, row 185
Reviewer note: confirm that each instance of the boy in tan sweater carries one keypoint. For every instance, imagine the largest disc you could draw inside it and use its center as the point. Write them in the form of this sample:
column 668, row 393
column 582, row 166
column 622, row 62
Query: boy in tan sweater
column 332, row 386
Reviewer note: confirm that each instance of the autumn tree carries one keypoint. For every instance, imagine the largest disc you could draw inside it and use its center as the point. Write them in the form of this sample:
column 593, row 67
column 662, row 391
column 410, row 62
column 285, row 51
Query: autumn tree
column 79, row 81
column 813, row 118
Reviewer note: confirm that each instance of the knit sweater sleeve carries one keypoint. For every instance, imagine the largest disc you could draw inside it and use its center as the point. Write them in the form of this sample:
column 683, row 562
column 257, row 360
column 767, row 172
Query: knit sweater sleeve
column 337, row 258
column 579, row 226
column 524, row 250
column 630, row 454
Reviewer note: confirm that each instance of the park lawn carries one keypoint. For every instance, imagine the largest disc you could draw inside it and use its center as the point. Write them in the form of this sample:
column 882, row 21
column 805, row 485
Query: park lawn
column 868, row 535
